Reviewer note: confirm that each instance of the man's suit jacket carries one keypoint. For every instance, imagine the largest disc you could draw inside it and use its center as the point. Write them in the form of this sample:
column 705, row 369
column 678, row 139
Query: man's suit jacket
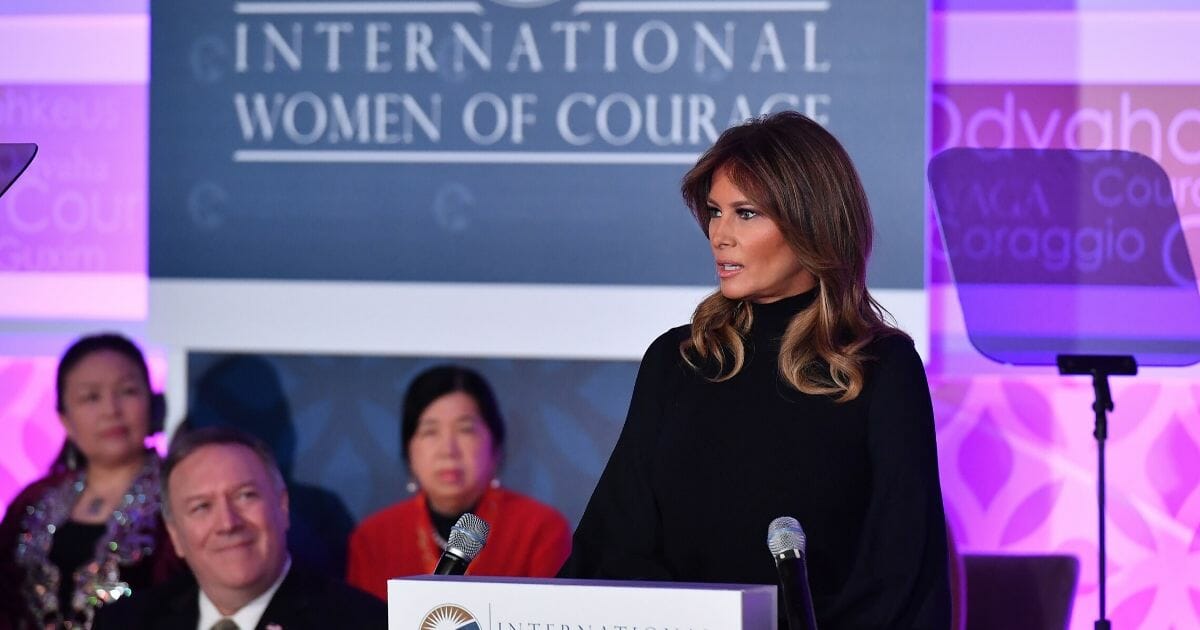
column 304, row 601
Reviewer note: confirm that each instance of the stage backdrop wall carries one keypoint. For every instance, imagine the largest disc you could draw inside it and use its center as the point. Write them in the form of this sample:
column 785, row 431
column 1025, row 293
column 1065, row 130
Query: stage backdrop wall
column 494, row 181
column 503, row 141
column 501, row 177
column 1016, row 455
column 487, row 181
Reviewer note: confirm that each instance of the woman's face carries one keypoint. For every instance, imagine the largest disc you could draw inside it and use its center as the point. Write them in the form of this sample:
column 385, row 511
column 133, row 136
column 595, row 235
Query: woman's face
column 106, row 408
column 452, row 454
column 754, row 261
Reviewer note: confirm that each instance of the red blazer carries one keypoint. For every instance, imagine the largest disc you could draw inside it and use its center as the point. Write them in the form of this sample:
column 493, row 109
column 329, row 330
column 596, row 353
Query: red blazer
column 527, row 539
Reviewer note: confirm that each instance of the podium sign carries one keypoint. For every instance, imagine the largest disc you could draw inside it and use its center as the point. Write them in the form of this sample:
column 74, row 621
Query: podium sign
column 477, row 603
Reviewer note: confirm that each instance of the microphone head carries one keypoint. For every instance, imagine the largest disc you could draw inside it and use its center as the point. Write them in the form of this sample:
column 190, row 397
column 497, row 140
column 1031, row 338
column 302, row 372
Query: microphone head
column 468, row 536
column 785, row 534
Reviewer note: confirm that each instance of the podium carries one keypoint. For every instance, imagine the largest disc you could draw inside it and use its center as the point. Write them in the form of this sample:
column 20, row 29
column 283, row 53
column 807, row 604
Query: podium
column 492, row 603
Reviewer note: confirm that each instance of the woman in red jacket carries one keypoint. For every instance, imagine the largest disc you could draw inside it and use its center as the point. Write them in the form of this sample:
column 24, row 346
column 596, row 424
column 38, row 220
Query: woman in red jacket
column 452, row 433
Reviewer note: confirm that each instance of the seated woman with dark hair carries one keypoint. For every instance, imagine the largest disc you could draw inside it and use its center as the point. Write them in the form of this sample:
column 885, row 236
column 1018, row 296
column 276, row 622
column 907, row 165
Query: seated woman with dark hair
column 451, row 434
column 90, row 530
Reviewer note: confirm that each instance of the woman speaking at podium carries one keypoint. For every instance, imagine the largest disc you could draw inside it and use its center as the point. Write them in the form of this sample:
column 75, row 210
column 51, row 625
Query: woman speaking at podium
column 788, row 395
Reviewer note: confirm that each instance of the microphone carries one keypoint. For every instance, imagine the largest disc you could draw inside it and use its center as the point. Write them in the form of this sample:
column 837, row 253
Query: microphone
column 467, row 538
column 786, row 540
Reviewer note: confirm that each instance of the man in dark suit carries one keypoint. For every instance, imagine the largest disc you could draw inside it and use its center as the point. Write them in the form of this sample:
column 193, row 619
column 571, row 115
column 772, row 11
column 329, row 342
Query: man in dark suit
column 226, row 510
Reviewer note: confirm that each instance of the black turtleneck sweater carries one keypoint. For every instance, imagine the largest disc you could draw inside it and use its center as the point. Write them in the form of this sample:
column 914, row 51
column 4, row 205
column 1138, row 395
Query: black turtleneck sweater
column 702, row 468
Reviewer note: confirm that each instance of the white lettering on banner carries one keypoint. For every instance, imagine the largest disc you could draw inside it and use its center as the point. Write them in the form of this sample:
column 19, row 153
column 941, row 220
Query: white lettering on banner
column 525, row 46
column 1074, row 134
column 1111, row 189
column 722, row 51
column 810, row 50
column 260, row 122
column 36, row 207
column 675, row 134
column 334, row 31
column 706, row 49
column 239, row 39
column 1187, row 191
column 430, row 122
column 275, row 44
column 1010, row 125
column 816, row 107
column 768, row 45
column 647, row 116
column 1088, row 248
column 1016, row 221
column 1175, row 135
column 670, row 43
column 348, row 126
column 481, row 53
column 1164, row 136
column 654, row 45
column 569, row 30
column 377, row 47
column 634, row 114
column 619, row 118
column 316, row 115
column 418, row 37
column 503, row 114
column 610, row 47
column 32, row 108
column 304, row 117
column 496, row 104
column 27, row 224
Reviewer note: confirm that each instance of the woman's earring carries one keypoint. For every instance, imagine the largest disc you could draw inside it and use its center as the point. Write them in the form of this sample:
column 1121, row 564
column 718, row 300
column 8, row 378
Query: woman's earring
column 495, row 482
column 411, row 486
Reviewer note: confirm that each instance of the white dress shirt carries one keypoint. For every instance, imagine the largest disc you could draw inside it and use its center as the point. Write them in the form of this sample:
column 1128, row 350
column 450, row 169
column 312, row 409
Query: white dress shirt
column 247, row 616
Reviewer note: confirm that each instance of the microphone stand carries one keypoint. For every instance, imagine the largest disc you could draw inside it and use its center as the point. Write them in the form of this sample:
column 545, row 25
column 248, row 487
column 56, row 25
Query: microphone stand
column 1099, row 367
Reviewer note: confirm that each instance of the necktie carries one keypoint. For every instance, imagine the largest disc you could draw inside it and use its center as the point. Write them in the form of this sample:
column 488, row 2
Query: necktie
column 225, row 624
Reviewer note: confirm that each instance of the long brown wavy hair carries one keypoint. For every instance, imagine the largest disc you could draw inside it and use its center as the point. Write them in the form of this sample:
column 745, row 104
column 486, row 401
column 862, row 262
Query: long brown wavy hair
column 797, row 174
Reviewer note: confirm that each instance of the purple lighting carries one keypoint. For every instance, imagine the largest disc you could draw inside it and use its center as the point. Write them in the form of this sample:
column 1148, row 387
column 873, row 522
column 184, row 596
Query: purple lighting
column 1017, row 454
column 75, row 222
column 73, row 227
